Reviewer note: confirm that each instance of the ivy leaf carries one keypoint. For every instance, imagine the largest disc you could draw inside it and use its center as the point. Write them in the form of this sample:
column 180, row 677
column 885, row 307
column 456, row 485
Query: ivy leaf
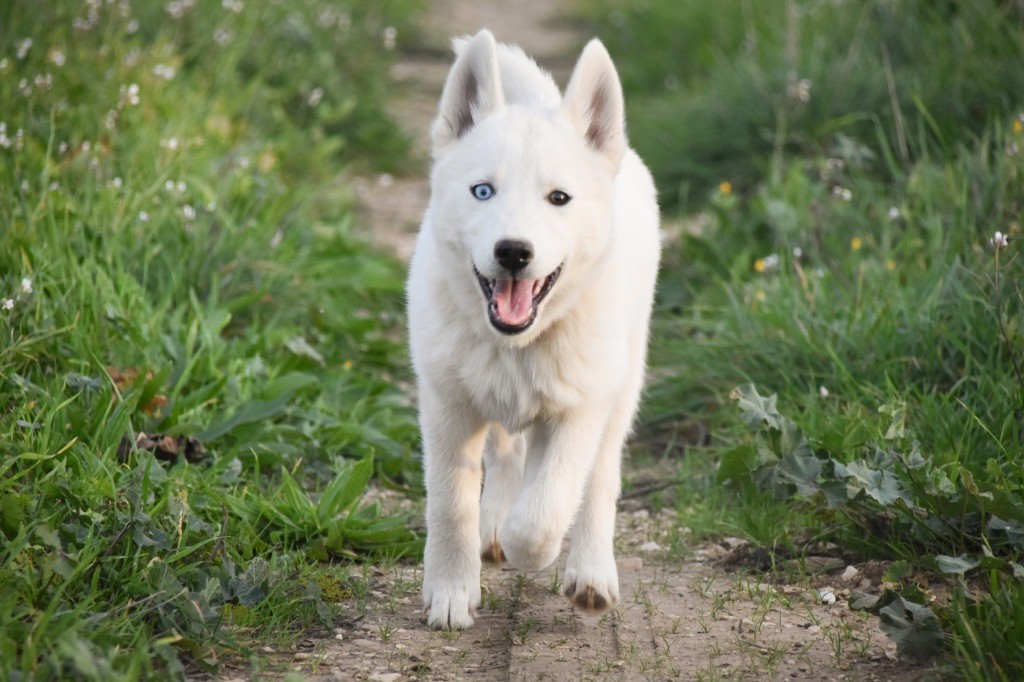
column 898, row 426
column 757, row 410
column 880, row 485
column 802, row 470
column 736, row 464
column 252, row 586
column 956, row 564
column 913, row 627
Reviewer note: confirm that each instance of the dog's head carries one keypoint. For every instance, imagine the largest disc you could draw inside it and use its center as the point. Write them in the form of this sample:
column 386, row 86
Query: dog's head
column 523, row 194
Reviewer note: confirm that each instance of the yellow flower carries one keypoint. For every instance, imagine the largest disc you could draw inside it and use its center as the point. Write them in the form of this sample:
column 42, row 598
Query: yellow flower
column 725, row 188
column 759, row 265
column 890, row 264
column 347, row 364
column 856, row 243
column 266, row 161
column 1018, row 126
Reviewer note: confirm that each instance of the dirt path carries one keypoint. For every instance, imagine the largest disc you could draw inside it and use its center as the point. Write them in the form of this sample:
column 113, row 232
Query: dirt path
column 683, row 615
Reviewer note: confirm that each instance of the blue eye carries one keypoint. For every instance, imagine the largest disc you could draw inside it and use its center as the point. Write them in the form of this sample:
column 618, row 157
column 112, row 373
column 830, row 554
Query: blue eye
column 483, row 191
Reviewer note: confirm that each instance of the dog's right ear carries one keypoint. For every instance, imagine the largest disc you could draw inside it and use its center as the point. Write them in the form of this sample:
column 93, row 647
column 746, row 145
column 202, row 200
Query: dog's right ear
column 472, row 91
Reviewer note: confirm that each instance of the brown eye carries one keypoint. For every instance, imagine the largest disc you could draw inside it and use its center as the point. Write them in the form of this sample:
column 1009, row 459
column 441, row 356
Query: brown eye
column 559, row 198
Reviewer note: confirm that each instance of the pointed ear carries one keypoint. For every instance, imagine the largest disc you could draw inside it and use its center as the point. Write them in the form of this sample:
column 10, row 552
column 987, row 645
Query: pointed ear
column 472, row 91
column 593, row 102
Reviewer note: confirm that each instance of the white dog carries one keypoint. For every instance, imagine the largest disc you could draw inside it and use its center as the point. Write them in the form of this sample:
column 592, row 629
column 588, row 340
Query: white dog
column 529, row 299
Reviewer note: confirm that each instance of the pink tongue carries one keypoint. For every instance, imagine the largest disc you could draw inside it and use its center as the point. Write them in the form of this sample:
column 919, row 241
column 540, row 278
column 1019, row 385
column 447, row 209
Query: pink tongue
column 513, row 300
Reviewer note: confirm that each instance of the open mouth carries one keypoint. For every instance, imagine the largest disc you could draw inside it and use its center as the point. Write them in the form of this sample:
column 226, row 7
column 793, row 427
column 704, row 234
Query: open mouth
column 512, row 303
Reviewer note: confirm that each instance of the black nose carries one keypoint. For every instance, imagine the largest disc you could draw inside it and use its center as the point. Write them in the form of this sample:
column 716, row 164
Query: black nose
column 513, row 254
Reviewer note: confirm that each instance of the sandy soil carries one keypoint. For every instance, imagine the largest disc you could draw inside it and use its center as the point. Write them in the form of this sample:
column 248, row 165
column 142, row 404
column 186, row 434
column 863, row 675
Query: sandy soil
column 692, row 613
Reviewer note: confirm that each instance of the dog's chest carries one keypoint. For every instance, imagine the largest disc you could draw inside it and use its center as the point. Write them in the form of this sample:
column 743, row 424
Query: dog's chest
column 515, row 387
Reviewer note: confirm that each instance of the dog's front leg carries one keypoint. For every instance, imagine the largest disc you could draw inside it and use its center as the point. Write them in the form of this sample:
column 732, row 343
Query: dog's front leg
column 453, row 441
column 591, row 577
column 504, row 459
column 558, row 460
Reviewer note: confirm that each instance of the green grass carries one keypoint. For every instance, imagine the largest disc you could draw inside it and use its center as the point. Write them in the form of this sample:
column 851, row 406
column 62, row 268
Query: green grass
column 178, row 259
column 720, row 90
column 834, row 314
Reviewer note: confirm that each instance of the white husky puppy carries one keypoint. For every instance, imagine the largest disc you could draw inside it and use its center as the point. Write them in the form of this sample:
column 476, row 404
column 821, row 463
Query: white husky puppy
column 529, row 299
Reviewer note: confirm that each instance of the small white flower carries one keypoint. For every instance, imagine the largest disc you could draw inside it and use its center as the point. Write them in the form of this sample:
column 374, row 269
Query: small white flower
column 170, row 143
column 390, row 37
column 771, row 261
column 7, row 304
column 188, row 212
column 86, row 146
column 798, row 252
column 176, row 9
column 169, row 185
column 222, row 37
column 23, row 47
column 133, row 27
column 26, row 285
column 800, row 89
column 998, row 241
column 235, row 6
column 165, row 71
column 57, row 57
column 180, row 186
column 132, row 58
column 143, row 217
column 823, row 392
column 315, row 97
column 893, row 213
column 3, row 64
column 117, row 183
column 842, row 193
column 132, row 94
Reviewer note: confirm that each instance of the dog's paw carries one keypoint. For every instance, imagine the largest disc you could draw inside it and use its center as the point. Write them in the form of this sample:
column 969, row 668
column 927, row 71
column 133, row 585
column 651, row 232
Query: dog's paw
column 450, row 607
column 529, row 549
column 492, row 552
column 593, row 585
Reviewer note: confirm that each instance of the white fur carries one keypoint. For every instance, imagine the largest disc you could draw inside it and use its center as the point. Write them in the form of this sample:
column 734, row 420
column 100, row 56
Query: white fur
column 547, row 409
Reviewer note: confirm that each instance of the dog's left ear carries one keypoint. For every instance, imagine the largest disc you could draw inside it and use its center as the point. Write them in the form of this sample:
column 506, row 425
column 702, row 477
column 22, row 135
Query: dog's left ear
column 593, row 102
